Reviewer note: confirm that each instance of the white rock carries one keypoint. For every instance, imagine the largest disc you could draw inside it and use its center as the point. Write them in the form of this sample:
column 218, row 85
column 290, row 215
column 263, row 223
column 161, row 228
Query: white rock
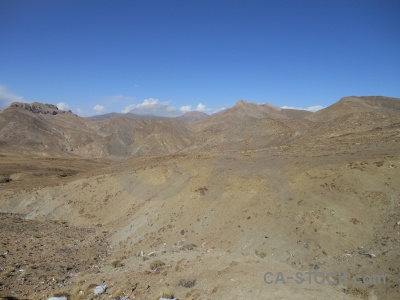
column 58, row 298
column 100, row 289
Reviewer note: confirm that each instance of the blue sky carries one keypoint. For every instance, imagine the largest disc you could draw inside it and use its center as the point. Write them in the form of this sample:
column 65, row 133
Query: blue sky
column 103, row 56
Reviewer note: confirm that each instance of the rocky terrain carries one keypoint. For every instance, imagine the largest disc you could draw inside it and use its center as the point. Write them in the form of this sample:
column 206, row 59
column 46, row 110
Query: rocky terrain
column 201, row 208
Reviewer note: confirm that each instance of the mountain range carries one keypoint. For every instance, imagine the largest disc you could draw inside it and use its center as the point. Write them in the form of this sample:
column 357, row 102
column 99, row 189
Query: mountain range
column 43, row 128
column 200, row 206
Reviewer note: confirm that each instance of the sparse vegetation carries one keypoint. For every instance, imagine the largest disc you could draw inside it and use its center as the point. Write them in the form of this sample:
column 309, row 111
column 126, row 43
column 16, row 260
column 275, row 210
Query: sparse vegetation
column 85, row 185
column 260, row 254
column 202, row 190
column 117, row 264
column 187, row 283
column 156, row 264
column 128, row 225
column 5, row 180
column 188, row 247
column 358, row 292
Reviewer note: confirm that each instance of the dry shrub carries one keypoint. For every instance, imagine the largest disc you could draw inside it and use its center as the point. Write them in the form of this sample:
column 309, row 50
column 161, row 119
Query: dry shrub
column 202, row 190
column 187, row 283
column 117, row 264
column 156, row 264
column 260, row 254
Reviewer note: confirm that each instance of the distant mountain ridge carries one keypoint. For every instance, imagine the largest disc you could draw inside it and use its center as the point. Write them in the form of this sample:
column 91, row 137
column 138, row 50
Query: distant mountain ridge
column 193, row 116
column 241, row 110
column 156, row 110
column 357, row 104
column 43, row 129
column 128, row 115
column 296, row 114
column 246, row 110
column 37, row 108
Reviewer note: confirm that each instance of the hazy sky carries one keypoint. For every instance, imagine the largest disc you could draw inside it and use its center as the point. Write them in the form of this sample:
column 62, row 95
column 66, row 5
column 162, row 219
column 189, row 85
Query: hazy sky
column 102, row 56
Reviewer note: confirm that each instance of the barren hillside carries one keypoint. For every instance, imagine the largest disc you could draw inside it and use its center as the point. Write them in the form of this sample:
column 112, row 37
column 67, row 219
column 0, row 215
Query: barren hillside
column 201, row 209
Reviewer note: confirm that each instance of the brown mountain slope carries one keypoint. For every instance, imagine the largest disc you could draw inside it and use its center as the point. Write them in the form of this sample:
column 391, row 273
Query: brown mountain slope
column 193, row 116
column 348, row 105
column 296, row 114
column 214, row 217
column 41, row 130
column 27, row 131
column 226, row 201
column 259, row 125
column 247, row 110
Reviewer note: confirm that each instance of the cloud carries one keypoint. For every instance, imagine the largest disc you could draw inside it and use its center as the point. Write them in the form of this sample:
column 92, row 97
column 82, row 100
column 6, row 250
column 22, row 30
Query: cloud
column 146, row 102
column 63, row 106
column 149, row 101
column 157, row 109
column 186, row 108
column 170, row 108
column 81, row 112
column 292, row 107
column 201, row 107
column 152, row 107
column 315, row 108
column 99, row 108
column 129, row 108
column 7, row 97
column 310, row 108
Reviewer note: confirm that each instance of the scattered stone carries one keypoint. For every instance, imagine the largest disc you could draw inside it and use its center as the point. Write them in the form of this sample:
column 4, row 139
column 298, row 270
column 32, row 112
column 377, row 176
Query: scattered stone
column 187, row 283
column 364, row 252
column 4, row 254
column 188, row 246
column 100, row 289
column 5, row 180
column 135, row 287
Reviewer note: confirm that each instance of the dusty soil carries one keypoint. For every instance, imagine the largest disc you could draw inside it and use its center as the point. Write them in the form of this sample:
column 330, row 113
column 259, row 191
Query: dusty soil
column 41, row 257
column 202, row 210
column 217, row 222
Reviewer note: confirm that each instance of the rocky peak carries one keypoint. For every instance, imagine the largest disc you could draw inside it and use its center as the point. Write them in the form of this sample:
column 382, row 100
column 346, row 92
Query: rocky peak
column 241, row 103
column 38, row 108
column 193, row 116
